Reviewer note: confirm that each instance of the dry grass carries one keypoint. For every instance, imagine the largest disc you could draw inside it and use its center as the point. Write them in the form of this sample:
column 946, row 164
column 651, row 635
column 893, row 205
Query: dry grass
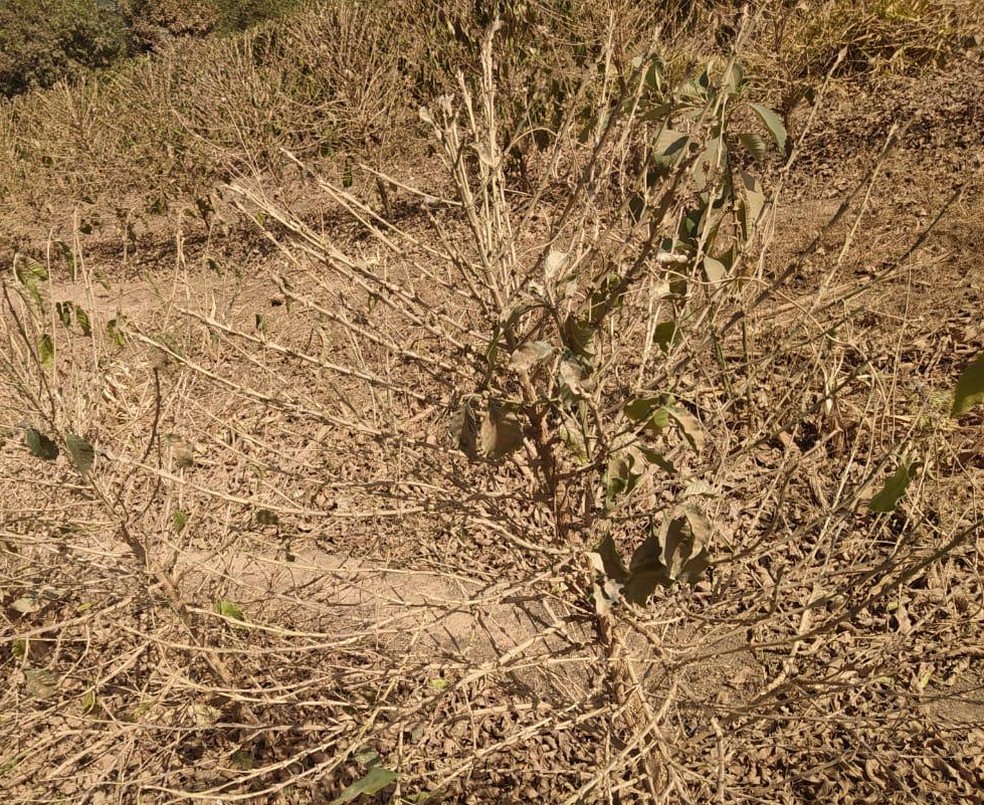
column 281, row 572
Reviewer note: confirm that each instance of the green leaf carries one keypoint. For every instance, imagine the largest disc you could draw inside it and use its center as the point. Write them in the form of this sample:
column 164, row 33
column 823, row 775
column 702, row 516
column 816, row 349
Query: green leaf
column 663, row 335
column 970, row 387
column 755, row 145
column 46, row 350
column 81, row 452
column 773, row 123
column 82, row 319
column 40, row 445
column 374, row 781
column 639, row 409
column 114, row 328
column 180, row 520
column 28, row 270
column 893, row 489
column 229, row 609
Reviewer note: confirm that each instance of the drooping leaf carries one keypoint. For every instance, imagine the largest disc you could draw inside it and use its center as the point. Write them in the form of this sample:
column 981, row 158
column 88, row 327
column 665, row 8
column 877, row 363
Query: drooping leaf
column 374, row 781
column 774, row 124
column 526, row 356
column 623, row 474
column 68, row 256
column 501, row 432
column 751, row 205
column 40, row 445
column 611, row 561
column 689, row 426
column 714, row 270
column 970, row 387
column 574, row 379
column 464, row 428
column 81, row 453
column 29, row 272
column 82, row 319
column 893, row 488
column 578, row 336
column 755, row 145
column 664, row 333
column 229, row 609
column 657, row 458
column 639, row 409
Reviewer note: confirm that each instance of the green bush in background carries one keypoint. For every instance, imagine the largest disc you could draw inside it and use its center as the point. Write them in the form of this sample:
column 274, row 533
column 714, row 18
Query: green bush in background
column 44, row 40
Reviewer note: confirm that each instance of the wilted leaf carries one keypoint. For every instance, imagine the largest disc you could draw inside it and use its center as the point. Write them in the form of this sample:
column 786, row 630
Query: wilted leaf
column 623, row 474
column 611, row 561
column 714, row 270
column 893, row 489
column 182, row 450
column 573, row 377
column 81, row 452
column 40, row 445
column 26, row 604
column 41, row 682
column 525, row 357
column 464, row 427
column 773, row 123
column 204, row 714
column 229, row 609
column 752, row 204
column 689, row 426
column 374, row 781
column 970, row 387
column 501, row 432
column 578, row 336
